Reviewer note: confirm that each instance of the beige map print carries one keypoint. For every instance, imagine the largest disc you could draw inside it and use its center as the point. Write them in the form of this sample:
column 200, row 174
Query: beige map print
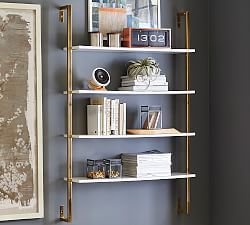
column 18, row 148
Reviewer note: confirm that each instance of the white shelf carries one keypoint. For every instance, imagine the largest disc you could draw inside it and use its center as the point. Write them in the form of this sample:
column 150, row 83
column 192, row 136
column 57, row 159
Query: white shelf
column 85, row 180
column 130, row 136
column 92, row 92
column 123, row 49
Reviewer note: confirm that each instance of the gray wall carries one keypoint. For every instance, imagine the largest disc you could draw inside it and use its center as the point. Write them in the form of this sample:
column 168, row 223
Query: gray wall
column 230, row 109
column 144, row 203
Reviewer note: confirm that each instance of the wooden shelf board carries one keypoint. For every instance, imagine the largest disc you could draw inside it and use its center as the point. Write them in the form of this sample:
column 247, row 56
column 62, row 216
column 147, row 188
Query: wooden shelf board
column 92, row 92
column 123, row 49
column 85, row 180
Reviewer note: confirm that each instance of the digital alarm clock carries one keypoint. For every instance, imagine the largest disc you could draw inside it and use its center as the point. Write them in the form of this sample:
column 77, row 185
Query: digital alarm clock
column 146, row 37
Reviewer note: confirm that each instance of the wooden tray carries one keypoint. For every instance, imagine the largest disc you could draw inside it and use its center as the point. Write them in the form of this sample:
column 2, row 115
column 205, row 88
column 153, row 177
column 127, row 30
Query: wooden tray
column 157, row 131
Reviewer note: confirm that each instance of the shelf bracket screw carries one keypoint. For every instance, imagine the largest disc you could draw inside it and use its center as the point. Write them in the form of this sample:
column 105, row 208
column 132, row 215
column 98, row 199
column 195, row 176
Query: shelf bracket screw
column 61, row 16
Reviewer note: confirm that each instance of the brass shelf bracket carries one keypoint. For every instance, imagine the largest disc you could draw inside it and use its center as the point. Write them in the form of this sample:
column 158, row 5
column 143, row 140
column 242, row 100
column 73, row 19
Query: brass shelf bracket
column 68, row 9
column 180, row 15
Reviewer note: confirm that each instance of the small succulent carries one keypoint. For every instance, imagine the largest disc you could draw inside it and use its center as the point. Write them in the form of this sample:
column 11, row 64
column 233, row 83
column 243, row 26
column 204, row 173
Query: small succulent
column 146, row 68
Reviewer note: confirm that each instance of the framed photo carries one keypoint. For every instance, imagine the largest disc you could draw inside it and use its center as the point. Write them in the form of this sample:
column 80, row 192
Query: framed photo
column 21, row 141
column 125, row 13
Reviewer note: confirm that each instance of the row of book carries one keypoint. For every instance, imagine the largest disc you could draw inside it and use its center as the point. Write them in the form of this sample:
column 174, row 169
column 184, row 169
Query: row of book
column 106, row 116
column 142, row 83
column 146, row 164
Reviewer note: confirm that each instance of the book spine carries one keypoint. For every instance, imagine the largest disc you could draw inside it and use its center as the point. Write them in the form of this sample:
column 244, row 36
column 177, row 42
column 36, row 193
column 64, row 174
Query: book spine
column 94, row 120
column 112, row 120
column 104, row 117
column 124, row 128
column 101, row 101
column 100, row 112
column 143, row 83
column 108, row 116
column 145, row 88
column 121, row 119
column 162, row 76
column 139, row 161
column 116, row 111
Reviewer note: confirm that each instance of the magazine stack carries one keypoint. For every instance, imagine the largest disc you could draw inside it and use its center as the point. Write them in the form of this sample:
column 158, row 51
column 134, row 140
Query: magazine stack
column 146, row 164
column 142, row 83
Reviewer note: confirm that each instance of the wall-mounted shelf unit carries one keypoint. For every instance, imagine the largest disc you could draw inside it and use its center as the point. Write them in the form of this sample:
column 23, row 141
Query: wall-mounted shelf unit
column 70, row 92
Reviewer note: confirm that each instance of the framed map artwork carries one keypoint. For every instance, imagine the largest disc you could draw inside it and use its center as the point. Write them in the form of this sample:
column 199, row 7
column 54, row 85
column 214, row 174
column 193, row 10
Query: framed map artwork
column 108, row 16
column 21, row 150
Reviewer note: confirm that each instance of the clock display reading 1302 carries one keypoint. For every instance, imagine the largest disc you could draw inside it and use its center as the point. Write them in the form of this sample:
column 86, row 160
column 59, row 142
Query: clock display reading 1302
column 146, row 37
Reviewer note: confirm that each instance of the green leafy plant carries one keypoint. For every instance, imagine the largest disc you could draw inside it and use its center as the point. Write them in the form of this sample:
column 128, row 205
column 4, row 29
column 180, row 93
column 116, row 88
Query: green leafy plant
column 146, row 68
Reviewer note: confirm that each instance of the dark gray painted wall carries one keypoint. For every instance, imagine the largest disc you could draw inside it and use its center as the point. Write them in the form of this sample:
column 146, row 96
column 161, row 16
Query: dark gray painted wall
column 146, row 203
column 230, row 111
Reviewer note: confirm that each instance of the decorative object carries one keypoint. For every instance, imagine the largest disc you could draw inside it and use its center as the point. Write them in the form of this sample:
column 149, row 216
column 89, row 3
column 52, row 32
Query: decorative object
column 95, row 169
column 146, row 68
column 100, row 79
column 113, row 168
column 21, row 142
column 114, row 40
column 143, row 75
column 153, row 132
column 96, row 39
column 125, row 13
column 135, row 37
column 150, row 117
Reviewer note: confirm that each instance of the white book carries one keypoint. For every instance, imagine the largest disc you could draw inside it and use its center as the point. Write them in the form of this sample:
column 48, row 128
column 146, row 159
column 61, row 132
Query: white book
column 146, row 157
column 166, row 168
column 143, row 83
column 94, row 119
column 108, row 117
column 160, row 77
column 121, row 119
column 102, row 101
column 146, row 165
column 145, row 88
column 153, row 154
column 116, row 111
column 112, row 117
column 147, row 170
column 124, row 128
column 114, row 123
column 142, row 175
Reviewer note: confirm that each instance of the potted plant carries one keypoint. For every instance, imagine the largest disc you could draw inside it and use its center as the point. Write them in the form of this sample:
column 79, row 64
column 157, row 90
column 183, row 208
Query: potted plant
column 146, row 69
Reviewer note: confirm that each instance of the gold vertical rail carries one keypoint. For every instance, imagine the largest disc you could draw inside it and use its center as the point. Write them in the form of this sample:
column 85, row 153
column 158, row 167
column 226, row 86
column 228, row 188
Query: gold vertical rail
column 68, row 8
column 187, row 45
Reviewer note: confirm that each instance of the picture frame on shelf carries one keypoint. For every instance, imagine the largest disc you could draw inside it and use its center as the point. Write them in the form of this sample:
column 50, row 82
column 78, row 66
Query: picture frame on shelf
column 21, row 140
column 126, row 13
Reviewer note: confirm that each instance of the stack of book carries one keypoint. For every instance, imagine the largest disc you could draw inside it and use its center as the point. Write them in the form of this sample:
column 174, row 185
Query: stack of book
column 106, row 117
column 146, row 164
column 139, row 83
